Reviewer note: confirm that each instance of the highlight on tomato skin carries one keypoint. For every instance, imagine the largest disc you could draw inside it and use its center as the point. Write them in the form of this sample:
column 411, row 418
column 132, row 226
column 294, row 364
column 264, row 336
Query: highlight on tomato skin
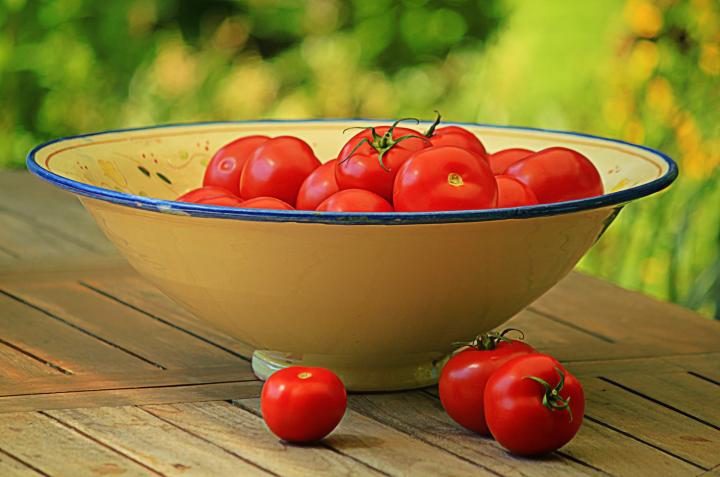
column 226, row 164
column 303, row 404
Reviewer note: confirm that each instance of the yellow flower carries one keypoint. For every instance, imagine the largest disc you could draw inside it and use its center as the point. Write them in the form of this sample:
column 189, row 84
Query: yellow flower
column 659, row 97
column 710, row 58
column 644, row 18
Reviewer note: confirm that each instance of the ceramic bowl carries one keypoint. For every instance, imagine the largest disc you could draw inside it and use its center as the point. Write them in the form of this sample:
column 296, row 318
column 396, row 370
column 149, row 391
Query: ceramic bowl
column 378, row 298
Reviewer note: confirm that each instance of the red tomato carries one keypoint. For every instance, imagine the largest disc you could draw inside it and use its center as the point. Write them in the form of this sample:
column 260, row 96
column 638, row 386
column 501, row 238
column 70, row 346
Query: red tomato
column 463, row 378
column 265, row 203
column 444, row 178
column 533, row 405
column 513, row 193
column 210, row 195
column 501, row 160
column 359, row 162
column 355, row 200
column 277, row 169
column 558, row 174
column 204, row 193
column 301, row 404
column 455, row 136
column 226, row 165
column 317, row 187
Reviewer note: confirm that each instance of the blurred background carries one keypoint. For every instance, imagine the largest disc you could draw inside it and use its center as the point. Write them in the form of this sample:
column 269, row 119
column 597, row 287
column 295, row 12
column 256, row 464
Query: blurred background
column 645, row 71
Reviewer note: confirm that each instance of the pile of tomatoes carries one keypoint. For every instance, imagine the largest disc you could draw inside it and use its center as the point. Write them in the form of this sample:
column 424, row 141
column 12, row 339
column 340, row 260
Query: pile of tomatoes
column 493, row 386
column 393, row 168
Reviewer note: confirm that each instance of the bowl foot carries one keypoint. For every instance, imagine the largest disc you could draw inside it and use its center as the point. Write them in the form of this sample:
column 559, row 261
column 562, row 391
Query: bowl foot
column 394, row 373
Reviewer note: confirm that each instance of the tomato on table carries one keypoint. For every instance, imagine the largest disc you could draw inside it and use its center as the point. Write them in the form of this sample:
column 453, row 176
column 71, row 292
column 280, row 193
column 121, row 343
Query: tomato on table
column 277, row 169
column 355, row 200
column 371, row 159
column 501, row 160
column 265, row 203
column 533, row 405
column 317, row 187
column 558, row 174
column 444, row 178
column 455, row 136
column 303, row 404
column 513, row 193
column 464, row 376
column 226, row 165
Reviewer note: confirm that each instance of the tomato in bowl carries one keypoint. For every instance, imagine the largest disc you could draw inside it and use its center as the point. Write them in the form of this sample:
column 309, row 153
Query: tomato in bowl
column 377, row 297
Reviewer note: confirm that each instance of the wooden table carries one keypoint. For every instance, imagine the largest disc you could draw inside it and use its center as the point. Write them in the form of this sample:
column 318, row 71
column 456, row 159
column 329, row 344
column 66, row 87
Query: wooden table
column 100, row 374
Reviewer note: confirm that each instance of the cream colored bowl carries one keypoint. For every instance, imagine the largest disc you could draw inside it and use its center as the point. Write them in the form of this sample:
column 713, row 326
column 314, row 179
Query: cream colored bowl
column 378, row 298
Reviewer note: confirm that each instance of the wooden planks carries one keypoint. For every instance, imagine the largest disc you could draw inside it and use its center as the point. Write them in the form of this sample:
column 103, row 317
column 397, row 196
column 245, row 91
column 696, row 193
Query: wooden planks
column 136, row 333
column 244, row 433
column 155, row 443
column 55, row 449
column 114, row 378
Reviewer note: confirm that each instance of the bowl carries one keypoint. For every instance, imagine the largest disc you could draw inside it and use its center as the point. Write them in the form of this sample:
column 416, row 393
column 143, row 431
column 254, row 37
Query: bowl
column 379, row 298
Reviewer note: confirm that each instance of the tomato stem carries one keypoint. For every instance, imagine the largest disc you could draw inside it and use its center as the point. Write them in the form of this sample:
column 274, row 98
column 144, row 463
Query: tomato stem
column 489, row 341
column 431, row 129
column 552, row 399
column 382, row 144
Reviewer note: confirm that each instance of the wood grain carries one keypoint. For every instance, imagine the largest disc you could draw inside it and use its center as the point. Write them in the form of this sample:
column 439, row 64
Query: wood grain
column 388, row 449
column 138, row 293
column 422, row 417
column 617, row 454
column 680, row 391
column 124, row 397
column 156, row 443
column 142, row 335
column 59, row 451
column 652, row 423
column 624, row 316
column 244, row 433
column 58, row 342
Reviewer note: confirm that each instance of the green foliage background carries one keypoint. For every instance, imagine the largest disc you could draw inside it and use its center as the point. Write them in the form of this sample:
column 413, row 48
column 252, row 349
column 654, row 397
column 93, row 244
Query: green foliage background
column 641, row 70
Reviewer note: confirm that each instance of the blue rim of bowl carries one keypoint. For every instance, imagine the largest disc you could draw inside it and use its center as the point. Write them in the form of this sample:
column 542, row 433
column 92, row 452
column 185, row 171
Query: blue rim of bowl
column 353, row 218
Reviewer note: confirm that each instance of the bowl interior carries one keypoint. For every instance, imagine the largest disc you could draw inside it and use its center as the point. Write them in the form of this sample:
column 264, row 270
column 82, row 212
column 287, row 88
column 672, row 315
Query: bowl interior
column 164, row 162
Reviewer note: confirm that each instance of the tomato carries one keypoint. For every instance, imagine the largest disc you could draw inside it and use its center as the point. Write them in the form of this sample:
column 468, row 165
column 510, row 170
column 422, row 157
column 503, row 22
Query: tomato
column 501, row 160
column 210, row 195
column 444, row 178
column 372, row 158
column 533, row 405
column 558, row 174
column 355, row 200
column 455, row 136
column 226, row 165
column 317, row 187
column 301, row 404
column 265, row 203
column 277, row 169
column 463, row 378
column 513, row 193
column 204, row 194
